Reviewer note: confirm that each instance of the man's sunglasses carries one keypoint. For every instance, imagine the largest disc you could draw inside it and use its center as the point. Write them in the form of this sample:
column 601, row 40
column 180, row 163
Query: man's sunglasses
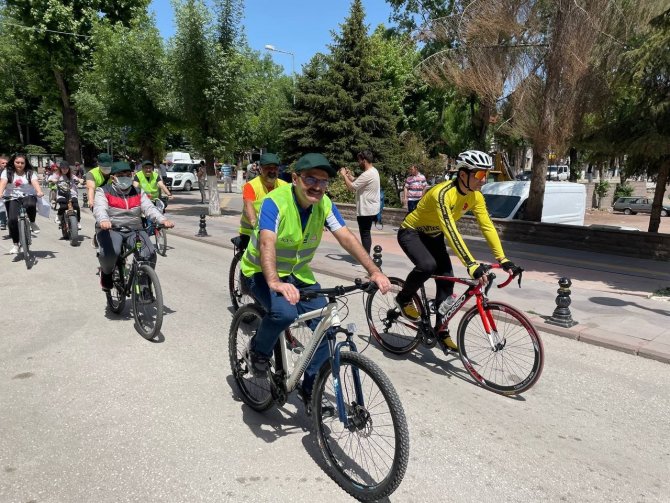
column 480, row 174
column 311, row 181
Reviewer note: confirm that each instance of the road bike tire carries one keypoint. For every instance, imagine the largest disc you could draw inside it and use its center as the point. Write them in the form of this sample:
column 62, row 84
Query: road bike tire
column 517, row 365
column 53, row 199
column 368, row 458
column 160, row 235
column 394, row 333
column 24, row 241
column 238, row 297
column 64, row 228
column 116, row 297
column 254, row 391
column 147, row 298
column 74, row 231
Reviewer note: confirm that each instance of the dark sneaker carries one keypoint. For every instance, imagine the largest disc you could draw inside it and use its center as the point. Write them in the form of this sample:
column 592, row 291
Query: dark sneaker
column 145, row 295
column 260, row 364
column 327, row 409
column 408, row 310
column 106, row 282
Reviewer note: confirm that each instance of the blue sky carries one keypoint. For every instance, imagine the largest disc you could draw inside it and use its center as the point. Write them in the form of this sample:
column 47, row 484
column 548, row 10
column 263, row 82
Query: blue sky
column 299, row 26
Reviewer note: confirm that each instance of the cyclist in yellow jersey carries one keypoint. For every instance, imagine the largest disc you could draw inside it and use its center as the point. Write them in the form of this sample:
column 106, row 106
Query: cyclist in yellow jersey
column 422, row 234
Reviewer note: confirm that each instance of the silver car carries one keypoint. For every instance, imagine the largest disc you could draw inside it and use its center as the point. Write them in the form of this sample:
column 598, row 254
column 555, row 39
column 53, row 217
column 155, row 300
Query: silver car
column 636, row 204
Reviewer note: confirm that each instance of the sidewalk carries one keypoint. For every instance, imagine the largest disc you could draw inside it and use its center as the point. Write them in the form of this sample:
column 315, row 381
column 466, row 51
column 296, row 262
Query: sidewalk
column 609, row 293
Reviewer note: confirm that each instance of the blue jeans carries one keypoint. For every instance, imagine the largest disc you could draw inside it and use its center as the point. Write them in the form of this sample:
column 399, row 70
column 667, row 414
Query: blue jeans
column 411, row 204
column 280, row 315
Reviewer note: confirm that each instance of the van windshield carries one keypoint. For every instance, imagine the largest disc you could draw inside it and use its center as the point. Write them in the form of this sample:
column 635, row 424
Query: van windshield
column 178, row 168
column 500, row 206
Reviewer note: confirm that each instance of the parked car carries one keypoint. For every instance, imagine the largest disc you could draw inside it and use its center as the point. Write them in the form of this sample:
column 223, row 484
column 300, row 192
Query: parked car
column 524, row 176
column 558, row 173
column 637, row 204
column 182, row 176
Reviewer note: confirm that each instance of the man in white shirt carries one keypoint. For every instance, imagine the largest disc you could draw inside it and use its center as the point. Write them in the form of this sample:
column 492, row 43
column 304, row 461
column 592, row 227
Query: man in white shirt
column 367, row 189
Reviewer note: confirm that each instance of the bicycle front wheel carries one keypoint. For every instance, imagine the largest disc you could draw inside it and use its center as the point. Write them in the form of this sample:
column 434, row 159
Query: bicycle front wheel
column 514, row 362
column 116, row 297
column 368, row 457
column 24, row 240
column 147, row 302
column 160, row 235
column 238, row 284
column 255, row 391
column 393, row 332
column 74, row 231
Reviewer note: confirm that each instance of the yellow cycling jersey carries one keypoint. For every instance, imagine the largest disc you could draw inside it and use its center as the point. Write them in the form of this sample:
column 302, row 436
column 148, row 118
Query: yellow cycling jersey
column 439, row 210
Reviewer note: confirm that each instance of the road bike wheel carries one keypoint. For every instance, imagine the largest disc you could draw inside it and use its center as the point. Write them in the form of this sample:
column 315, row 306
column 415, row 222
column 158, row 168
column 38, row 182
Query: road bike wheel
column 367, row 458
column 239, row 295
column 64, row 227
column 160, row 236
column 24, row 241
column 74, row 232
column 393, row 332
column 255, row 391
column 116, row 297
column 516, row 364
column 147, row 298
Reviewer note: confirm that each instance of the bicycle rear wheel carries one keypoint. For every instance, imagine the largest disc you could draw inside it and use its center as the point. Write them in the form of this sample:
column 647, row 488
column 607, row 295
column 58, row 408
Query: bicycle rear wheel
column 255, row 391
column 147, row 302
column 74, row 232
column 367, row 458
column 160, row 235
column 238, row 285
column 516, row 362
column 393, row 332
column 24, row 241
column 116, row 297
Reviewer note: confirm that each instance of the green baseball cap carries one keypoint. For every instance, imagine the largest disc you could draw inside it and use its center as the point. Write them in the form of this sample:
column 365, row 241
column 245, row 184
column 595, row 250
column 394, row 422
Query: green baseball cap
column 269, row 158
column 120, row 167
column 147, row 163
column 105, row 160
column 310, row 161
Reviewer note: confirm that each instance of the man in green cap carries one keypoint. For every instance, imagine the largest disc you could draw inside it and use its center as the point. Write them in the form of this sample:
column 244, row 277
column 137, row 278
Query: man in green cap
column 120, row 204
column 98, row 176
column 253, row 193
column 150, row 182
column 276, row 262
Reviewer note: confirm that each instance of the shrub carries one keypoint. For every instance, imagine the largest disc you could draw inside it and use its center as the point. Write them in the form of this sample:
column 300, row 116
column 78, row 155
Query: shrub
column 623, row 190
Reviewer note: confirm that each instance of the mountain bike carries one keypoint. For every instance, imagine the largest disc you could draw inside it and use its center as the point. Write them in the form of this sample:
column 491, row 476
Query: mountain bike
column 357, row 415
column 497, row 343
column 238, row 285
column 158, row 232
column 68, row 220
column 25, row 239
column 139, row 281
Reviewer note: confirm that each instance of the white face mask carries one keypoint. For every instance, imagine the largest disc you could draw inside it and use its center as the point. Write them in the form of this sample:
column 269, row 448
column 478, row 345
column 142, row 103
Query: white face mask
column 123, row 183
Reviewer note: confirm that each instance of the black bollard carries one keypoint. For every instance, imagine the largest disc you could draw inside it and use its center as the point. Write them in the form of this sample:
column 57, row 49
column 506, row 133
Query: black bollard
column 377, row 256
column 202, row 232
column 562, row 316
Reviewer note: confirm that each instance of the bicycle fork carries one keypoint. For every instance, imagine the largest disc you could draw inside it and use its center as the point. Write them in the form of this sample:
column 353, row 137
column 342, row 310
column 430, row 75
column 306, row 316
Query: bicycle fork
column 495, row 340
column 359, row 415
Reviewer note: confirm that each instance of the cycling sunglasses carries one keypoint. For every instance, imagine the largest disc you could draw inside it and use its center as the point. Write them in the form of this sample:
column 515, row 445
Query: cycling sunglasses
column 311, row 181
column 480, row 174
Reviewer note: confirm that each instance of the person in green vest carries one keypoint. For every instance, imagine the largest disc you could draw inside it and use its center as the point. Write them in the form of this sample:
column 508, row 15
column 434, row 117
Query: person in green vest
column 253, row 193
column 150, row 182
column 277, row 260
column 98, row 176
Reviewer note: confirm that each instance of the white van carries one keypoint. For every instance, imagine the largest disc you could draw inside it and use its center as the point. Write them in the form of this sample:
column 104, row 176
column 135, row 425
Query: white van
column 559, row 173
column 564, row 203
column 179, row 157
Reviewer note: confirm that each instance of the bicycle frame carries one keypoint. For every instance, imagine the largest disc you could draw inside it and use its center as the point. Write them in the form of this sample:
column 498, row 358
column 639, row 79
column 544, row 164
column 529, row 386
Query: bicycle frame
column 127, row 282
column 331, row 319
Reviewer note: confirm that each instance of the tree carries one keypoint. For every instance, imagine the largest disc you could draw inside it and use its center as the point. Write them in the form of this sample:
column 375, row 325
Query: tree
column 58, row 38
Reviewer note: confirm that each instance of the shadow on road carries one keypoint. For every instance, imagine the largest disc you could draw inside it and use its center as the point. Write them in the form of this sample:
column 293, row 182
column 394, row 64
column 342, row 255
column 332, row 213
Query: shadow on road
column 614, row 302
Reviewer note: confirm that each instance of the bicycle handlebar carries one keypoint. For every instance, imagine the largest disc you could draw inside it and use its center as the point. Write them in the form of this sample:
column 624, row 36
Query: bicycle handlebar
column 338, row 291
column 512, row 274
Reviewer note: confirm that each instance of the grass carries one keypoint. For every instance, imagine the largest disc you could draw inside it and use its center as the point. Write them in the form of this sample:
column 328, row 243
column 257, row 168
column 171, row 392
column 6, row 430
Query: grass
column 663, row 292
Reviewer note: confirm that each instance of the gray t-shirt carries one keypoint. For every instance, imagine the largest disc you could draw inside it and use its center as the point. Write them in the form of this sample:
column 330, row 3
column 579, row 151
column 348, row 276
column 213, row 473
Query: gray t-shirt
column 367, row 193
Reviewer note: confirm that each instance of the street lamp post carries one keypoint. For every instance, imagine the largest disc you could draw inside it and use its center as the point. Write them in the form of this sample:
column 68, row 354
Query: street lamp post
column 270, row 47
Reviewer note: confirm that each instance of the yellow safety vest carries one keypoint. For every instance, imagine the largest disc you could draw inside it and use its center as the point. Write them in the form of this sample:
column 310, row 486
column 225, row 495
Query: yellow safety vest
column 261, row 191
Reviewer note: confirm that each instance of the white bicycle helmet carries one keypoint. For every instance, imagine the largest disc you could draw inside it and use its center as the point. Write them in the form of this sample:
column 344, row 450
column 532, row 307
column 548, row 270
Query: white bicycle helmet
column 474, row 160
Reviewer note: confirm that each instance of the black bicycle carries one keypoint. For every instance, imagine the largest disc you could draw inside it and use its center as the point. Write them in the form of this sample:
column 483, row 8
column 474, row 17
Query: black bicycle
column 159, row 233
column 238, row 285
column 25, row 239
column 139, row 281
column 68, row 219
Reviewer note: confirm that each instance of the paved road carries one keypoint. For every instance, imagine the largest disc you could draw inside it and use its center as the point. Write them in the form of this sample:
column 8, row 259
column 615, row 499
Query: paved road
column 90, row 411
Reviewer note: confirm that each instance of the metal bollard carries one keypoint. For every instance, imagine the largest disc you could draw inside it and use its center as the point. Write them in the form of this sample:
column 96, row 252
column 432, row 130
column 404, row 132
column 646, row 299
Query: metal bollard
column 562, row 316
column 377, row 256
column 202, row 232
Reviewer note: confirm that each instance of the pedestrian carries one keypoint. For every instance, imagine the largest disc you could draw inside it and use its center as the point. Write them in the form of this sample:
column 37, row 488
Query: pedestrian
column 252, row 171
column 202, row 180
column 415, row 185
column 3, row 212
column 368, row 201
column 78, row 170
column 227, row 175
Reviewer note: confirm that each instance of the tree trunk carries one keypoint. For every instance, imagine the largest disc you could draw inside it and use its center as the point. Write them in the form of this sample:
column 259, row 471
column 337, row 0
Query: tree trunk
column 661, row 181
column 18, row 126
column 537, row 183
column 573, row 164
column 70, row 130
column 212, row 186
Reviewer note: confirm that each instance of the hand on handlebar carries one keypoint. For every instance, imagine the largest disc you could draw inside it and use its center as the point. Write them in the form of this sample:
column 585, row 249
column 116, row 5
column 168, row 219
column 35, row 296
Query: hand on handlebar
column 105, row 225
column 290, row 292
column 168, row 224
column 381, row 281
